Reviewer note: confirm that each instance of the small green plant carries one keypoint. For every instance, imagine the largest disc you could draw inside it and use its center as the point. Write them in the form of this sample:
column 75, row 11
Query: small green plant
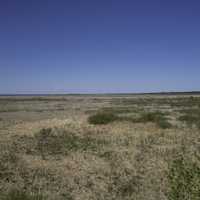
column 184, row 179
column 102, row 118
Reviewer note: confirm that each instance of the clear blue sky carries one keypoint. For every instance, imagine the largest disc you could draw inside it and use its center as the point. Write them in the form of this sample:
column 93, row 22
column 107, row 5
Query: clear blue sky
column 49, row 46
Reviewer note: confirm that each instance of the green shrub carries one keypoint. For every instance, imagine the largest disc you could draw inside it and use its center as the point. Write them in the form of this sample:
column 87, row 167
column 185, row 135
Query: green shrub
column 102, row 118
column 155, row 117
column 188, row 119
column 151, row 117
column 184, row 179
column 164, row 124
column 148, row 117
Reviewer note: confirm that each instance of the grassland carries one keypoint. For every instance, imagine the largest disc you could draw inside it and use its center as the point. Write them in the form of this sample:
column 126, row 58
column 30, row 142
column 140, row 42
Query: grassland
column 100, row 147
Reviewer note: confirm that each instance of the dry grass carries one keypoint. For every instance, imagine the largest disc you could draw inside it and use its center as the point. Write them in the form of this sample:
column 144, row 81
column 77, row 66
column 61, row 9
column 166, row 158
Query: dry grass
column 57, row 154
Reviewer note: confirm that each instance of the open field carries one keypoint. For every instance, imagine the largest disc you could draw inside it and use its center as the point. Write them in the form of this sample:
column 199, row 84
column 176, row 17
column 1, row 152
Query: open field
column 100, row 147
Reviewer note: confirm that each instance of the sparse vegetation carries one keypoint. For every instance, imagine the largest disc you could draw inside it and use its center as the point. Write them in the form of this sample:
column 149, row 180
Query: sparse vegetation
column 184, row 179
column 151, row 117
column 156, row 117
column 120, row 109
column 191, row 117
column 60, row 142
column 21, row 195
column 9, row 161
column 109, row 116
column 49, row 151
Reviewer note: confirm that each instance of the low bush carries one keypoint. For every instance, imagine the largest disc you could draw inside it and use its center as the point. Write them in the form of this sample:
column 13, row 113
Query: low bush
column 188, row 119
column 151, row 117
column 164, row 124
column 155, row 117
column 102, row 118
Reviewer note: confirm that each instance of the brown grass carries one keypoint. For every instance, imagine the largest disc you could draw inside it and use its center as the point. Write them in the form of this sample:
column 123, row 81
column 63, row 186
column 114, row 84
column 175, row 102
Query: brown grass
column 57, row 154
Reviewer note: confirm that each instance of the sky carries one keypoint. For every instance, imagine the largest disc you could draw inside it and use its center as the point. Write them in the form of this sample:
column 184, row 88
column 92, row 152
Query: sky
column 99, row 46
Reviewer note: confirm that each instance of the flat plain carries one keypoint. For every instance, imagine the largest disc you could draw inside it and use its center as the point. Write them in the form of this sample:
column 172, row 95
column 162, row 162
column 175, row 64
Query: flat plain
column 100, row 147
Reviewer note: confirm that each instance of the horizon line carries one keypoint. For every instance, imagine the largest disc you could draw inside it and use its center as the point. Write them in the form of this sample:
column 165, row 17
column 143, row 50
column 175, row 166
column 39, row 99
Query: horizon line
column 100, row 93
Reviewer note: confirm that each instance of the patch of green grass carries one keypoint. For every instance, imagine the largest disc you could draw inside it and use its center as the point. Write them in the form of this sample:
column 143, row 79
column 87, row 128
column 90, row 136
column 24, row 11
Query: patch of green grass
column 188, row 118
column 109, row 116
column 184, row 179
column 156, row 117
column 151, row 117
column 102, row 118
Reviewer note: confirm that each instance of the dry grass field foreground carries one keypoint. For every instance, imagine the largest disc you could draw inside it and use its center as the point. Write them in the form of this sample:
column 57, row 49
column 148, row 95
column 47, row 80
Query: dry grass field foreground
column 100, row 147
